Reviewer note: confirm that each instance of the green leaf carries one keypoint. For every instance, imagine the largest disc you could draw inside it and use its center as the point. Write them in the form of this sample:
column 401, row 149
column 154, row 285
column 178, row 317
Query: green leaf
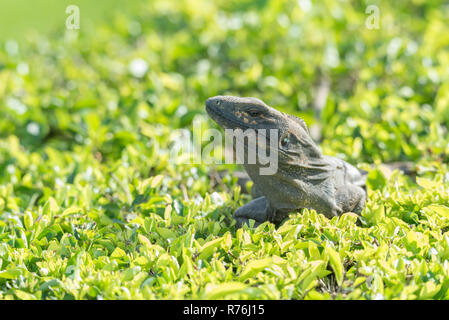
column 310, row 274
column 50, row 207
column 439, row 209
column 223, row 290
column 376, row 180
column 24, row 295
column 209, row 247
column 118, row 253
column 156, row 182
column 11, row 273
column 336, row 264
column 426, row 183
column 144, row 240
column 28, row 220
column 254, row 267
column 166, row 233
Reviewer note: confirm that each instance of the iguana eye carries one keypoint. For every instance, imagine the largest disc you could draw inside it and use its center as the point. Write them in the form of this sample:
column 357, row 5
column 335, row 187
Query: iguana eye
column 254, row 113
column 285, row 141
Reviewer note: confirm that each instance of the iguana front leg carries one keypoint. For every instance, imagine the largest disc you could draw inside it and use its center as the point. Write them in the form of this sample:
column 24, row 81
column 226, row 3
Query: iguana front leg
column 350, row 198
column 257, row 209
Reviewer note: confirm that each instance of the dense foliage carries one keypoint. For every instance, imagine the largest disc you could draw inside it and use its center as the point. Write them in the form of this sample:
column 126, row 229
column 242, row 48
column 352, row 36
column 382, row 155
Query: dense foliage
column 92, row 206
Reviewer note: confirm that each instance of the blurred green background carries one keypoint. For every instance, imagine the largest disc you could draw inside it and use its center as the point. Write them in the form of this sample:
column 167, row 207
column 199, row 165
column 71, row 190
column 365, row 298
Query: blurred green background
column 93, row 207
column 20, row 17
column 369, row 94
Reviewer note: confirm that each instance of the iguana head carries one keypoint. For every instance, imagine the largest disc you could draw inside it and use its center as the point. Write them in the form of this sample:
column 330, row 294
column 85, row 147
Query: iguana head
column 294, row 142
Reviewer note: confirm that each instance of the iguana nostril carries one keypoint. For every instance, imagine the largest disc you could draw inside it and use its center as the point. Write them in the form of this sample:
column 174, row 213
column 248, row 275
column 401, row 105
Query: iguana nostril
column 217, row 102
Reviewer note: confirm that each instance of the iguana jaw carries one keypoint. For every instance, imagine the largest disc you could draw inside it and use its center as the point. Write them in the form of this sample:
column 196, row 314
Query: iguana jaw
column 223, row 119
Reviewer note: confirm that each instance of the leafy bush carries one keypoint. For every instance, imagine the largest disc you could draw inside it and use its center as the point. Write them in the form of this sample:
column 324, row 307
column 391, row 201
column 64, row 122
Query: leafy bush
column 92, row 207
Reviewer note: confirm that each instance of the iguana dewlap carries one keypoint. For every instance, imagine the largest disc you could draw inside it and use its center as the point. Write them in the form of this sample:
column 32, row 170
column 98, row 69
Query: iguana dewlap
column 304, row 178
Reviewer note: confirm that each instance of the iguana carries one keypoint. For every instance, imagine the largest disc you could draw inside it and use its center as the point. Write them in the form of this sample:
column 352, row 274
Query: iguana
column 305, row 178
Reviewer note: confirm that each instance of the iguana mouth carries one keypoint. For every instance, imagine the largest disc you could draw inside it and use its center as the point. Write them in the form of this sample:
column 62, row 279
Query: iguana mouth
column 228, row 121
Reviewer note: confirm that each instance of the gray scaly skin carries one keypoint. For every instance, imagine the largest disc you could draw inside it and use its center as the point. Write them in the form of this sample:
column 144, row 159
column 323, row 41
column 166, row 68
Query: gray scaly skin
column 305, row 178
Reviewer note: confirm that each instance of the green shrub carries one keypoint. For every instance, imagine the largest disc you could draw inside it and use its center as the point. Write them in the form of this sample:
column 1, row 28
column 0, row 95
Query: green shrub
column 91, row 207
